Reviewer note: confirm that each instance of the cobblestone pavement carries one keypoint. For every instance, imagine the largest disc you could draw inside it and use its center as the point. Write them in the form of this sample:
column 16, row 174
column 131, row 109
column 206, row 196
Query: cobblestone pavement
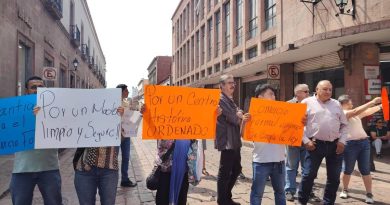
column 142, row 157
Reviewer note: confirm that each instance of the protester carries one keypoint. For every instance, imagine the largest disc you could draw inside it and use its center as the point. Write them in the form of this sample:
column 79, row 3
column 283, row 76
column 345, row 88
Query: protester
column 36, row 167
column 125, row 143
column 96, row 168
column 380, row 135
column 228, row 141
column 265, row 164
column 296, row 155
column 358, row 145
column 325, row 135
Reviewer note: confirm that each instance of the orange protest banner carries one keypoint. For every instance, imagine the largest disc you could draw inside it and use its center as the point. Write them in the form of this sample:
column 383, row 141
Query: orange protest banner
column 385, row 104
column 275, row 122
column 179, row 112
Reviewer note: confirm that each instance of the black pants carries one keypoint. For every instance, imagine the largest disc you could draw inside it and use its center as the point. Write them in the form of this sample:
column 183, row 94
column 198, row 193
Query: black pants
column 229, row 169
column 162, row 195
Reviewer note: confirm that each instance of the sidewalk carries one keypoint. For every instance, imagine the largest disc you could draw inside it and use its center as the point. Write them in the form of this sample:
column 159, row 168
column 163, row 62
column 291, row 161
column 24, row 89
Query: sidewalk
column 142, row 157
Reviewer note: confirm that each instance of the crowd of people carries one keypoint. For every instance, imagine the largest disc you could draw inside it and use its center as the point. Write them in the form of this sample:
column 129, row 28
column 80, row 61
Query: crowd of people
column 332, row 130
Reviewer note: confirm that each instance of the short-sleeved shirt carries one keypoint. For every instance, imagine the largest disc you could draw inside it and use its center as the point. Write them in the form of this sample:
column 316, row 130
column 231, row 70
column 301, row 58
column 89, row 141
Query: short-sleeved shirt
column 38, row 160
column 380, row 132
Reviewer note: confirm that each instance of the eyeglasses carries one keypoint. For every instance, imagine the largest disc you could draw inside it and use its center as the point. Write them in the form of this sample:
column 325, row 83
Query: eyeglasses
column 34, row 87
column 305, row 91
column 379, row 122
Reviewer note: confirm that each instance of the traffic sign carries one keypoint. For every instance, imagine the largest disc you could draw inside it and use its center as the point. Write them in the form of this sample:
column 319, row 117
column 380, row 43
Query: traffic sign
column 273, row 71
column 50, row 73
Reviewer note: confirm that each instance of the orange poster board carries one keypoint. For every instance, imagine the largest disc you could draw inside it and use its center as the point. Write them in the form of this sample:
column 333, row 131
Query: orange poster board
column 275, row 122
column 179, row 112
column 385, row 103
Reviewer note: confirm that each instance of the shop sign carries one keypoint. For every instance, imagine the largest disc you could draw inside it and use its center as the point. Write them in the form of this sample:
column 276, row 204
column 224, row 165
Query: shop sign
column 371, row 72
column 374, row 86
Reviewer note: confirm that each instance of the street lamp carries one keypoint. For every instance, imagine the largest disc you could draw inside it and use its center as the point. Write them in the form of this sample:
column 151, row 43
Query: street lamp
column 341, row 4
column 75, row 64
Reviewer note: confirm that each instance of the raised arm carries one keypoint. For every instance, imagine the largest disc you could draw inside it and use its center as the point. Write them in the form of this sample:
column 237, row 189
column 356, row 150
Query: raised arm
column 359, row 110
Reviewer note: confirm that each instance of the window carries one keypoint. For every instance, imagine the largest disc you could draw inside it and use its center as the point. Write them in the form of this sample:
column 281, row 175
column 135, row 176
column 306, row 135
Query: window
column 197, row 49
column 48, row 61
column 270, row 13
column 25, row 56
column 210, row 29
column 226, row 63
column 217, row 67
column 226, row 12
column 252, row 52
column 209, row 70
column 203, row 45
column 208, row 5
column 62, row 77
column 202, row 73
column 238, row 58
column 270, row 44
column 72, row 80
column 197, row 76
column 217, row 29
column 239, row 22
column 252, row 18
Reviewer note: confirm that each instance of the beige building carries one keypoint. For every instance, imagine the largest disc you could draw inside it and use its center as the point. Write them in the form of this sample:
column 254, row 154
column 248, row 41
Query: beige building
column 59, row 34
column 283, row 42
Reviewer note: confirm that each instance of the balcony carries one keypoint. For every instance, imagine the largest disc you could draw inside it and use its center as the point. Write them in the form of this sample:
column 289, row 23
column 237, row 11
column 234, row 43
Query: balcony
column 84, row 52
column 75, row 35
column 54, row 7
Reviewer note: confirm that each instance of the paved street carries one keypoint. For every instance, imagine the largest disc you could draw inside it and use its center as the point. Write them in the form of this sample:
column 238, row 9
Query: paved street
column 142, row 156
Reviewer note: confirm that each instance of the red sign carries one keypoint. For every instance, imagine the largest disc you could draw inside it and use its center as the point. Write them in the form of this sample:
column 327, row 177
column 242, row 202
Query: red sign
column 50, row 73
column 273, row 71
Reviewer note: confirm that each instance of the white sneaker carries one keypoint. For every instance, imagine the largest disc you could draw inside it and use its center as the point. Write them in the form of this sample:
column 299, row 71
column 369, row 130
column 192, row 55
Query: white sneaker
column 369, row 198
column 344, row 194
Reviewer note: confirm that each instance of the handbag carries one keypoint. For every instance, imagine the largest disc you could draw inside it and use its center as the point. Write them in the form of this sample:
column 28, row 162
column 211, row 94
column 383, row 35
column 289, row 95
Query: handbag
column 152, row 181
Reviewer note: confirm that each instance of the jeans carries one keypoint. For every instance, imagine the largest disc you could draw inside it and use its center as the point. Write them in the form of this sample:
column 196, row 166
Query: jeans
column 229, row 169
column 357, row 150
column 261, row 172
column 162, row 194
column 86, row 183
column 294, row 156
column 125, row 150
column 49, row 184
column 313, row 161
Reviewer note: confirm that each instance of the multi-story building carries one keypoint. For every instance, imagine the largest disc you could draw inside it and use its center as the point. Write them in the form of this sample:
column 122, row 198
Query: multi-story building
column 159, row 70
column 283, row 42
column 49, row 33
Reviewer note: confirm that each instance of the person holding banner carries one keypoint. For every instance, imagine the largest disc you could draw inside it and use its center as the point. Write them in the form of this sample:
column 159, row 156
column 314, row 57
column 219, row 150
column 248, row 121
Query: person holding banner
column 36, row 167
column 325, row 136
column 358, row 145
column 96, row 168
column 265, row 164
column 125, row 144
column 228, row 140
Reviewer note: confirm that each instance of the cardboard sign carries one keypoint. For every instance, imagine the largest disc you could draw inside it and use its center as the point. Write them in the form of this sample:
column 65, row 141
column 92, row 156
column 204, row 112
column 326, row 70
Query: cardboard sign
column 17, row 124
column 179, row 112
column 77, row 118
column 275, row 122
column 385, row 103
column 131, row 121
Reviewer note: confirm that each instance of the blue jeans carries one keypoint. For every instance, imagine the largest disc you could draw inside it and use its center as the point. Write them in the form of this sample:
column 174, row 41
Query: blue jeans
column 261, row 172
column 125, row 150
column 49, row 184
column 87, row 182
column 313, row 161
column 357, row 150
column 294, row 156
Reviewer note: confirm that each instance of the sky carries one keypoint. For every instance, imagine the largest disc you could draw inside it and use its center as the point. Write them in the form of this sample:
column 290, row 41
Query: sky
column 131, row 33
